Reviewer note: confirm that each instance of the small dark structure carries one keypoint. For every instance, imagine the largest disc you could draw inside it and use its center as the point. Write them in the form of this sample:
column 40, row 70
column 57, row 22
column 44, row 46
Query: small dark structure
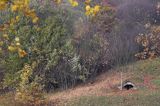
column 127, row 85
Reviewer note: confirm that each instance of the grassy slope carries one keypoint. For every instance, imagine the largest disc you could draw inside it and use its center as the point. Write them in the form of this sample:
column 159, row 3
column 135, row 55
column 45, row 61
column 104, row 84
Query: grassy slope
column 146, row 74
column 103, row 92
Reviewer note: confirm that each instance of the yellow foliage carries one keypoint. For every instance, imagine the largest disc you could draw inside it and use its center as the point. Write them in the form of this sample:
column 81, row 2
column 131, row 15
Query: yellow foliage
column 23, row 6
column 18, row 44
column 58, row 1
column 12, row 48
column 87, row 2
column 96, row 9
column 22, row 53
column 17, row 6
column 17, row 39
column 1, row 43
column 28, row 93
column 5, row 36
column 35, row 20
column 17, row 18
column 14, row 8
column 88, row 8
column 3, row 4
column 92, row 11
column 74, row 3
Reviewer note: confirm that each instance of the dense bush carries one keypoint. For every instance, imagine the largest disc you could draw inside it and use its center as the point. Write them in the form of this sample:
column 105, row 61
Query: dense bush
column 50, row 45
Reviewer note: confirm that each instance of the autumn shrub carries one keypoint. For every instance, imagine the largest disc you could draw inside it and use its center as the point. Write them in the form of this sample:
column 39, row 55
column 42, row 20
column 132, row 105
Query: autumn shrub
column 15, row 15
column 11, row 61
column 29, row 92
column 149, row 43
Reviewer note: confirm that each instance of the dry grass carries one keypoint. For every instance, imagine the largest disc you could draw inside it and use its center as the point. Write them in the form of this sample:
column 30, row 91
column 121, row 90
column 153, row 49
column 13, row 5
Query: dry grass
column 105, row 85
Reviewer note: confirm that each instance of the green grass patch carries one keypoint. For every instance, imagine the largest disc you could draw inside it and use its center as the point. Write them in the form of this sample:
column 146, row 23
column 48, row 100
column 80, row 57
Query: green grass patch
column 151, row 99
column 150, row 67
column 156, row 81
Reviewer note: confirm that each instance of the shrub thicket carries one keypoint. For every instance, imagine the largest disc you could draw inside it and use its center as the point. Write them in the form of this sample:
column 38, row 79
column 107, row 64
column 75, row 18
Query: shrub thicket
column 50, row 45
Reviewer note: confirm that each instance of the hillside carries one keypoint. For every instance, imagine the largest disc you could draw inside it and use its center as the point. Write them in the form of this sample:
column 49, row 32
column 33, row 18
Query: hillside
column 104, row 92
column 79, row 52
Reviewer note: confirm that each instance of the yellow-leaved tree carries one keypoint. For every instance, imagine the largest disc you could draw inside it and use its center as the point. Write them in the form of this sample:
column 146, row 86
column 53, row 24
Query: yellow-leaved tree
column 22, row 7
